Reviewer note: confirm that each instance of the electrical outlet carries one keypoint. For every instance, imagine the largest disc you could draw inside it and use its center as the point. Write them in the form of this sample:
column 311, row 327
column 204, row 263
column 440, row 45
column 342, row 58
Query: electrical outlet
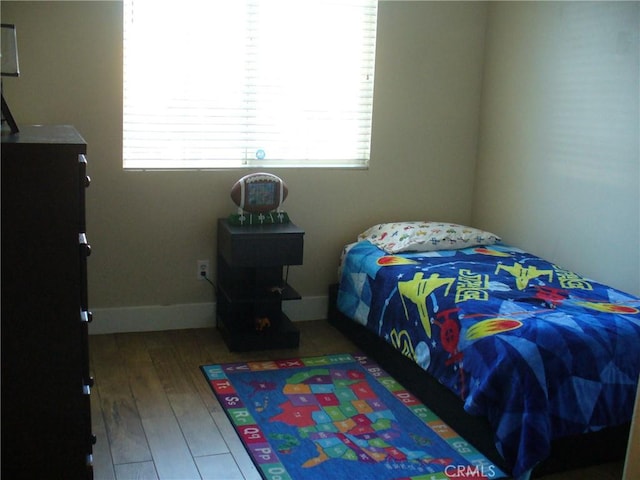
column 203, row 269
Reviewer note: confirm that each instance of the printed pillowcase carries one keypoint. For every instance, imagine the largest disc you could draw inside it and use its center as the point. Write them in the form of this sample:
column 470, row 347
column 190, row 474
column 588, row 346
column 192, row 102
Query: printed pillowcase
column 425, row 236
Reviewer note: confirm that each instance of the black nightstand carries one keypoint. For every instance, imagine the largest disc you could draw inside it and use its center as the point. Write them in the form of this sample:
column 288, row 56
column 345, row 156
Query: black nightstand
column 251, row 286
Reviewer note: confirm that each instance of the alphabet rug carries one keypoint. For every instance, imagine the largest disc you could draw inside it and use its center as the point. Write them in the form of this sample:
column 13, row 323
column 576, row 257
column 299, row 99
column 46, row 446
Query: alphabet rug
column 339, row 417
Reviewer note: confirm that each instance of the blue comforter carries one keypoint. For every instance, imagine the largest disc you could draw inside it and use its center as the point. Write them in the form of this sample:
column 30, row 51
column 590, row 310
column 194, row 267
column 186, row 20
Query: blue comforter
column 540, row 351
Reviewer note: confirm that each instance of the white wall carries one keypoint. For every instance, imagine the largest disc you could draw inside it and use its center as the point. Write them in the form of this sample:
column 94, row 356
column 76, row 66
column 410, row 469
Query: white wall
column 558, row 159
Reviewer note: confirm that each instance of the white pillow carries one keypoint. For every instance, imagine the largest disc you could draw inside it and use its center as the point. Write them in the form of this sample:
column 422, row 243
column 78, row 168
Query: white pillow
column 425, row 236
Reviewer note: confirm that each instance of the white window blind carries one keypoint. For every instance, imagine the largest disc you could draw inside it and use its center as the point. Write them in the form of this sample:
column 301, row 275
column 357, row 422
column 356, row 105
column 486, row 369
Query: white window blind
column 255, row 83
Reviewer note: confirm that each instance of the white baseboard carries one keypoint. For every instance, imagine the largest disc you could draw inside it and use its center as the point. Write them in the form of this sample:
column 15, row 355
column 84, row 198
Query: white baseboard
column 191, row 315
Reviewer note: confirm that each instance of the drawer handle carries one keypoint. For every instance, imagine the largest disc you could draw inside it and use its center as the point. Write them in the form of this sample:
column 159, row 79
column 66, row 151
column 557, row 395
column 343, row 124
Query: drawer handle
column 87, row 181
column 86, row 388
column 82, row 239
column 86, row 316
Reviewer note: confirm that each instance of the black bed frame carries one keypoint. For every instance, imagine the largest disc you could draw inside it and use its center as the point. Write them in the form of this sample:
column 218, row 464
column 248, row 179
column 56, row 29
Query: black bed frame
column 568, row 453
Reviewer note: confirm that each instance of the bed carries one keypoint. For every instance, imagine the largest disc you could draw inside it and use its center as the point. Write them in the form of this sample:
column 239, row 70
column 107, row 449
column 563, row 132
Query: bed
column 527, row 357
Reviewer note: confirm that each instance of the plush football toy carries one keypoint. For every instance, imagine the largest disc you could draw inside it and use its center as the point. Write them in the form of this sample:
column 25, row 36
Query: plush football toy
column 259, row 197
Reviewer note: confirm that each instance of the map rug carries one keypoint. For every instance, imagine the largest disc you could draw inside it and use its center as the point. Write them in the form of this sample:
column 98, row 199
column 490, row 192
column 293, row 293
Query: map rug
column 339, row 417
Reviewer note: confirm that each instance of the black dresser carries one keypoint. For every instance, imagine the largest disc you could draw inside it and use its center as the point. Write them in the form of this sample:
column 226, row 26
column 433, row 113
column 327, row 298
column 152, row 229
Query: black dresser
column 46, row 383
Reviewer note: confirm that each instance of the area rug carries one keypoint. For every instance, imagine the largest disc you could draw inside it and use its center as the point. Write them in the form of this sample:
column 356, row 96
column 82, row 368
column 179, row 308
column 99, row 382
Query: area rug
column 339, row 417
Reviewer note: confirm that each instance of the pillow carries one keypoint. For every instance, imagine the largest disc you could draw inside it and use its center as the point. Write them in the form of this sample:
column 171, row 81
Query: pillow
column 425, row 236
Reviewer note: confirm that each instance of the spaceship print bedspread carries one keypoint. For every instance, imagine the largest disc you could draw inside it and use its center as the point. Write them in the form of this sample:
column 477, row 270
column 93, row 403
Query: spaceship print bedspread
column 539, row 350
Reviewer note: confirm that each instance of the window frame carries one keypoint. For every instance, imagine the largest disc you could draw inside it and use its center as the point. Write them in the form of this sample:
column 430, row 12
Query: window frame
column 254, row 154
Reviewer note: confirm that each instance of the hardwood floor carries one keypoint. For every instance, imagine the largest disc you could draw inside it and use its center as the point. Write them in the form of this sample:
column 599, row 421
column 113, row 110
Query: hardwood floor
column 156, row 418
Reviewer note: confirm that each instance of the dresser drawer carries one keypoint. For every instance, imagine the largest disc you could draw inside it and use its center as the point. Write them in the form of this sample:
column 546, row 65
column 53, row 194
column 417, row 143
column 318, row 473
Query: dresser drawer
column 260, row 246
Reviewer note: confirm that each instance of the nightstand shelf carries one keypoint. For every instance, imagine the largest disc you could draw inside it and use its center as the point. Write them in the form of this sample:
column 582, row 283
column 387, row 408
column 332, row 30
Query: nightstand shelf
column 251, row 286
column 283, row 335
column 257, row 294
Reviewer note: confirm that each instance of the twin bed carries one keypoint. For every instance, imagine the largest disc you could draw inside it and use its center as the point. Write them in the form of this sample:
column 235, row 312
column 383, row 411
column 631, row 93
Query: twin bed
column 526, row 359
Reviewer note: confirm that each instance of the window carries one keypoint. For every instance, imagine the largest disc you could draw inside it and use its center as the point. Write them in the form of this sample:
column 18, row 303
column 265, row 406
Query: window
column 248, row 83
